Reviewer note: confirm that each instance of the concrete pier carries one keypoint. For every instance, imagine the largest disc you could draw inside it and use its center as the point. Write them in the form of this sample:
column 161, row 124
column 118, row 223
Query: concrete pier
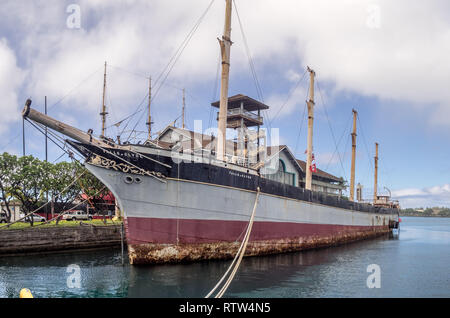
column 61, row 238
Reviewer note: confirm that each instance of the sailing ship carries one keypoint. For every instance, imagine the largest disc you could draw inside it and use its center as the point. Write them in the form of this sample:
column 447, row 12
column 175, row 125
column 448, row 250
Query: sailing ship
column 187, row 196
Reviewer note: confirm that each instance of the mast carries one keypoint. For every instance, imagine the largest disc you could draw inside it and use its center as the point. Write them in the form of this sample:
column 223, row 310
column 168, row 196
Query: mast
column 184, row 106
column 352, row 177
column 310, row 104
column 46, row 136
column 375, row 186
column 23, row 136
column 225, row 48
column 149, row 121
column 104, row 113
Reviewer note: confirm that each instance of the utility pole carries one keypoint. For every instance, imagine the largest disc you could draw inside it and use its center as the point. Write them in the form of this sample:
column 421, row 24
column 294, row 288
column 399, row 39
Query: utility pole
column 46, row 130
column 149, row 121
column 46, row 151
column 104, row 113
column 225, row 49
column 184, row 106
column 352, row 177
column 310, row 103
column 23, row 135
column 375, row 186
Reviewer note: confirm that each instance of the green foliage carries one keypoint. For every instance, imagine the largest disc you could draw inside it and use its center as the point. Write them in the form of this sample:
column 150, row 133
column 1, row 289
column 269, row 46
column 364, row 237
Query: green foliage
column 7, row 166
column 435, row 211
column 29, row 181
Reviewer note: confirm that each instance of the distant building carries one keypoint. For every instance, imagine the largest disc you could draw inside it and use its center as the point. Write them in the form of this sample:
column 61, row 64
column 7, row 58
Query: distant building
column 15, row 207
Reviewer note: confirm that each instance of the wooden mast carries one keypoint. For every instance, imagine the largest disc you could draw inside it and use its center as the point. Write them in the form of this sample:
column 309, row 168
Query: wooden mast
column 184, row 106
column 104, row 113
column 352, row 177
column 310, row 104
column 149, row 121
column 225, row 48
column 375, row 186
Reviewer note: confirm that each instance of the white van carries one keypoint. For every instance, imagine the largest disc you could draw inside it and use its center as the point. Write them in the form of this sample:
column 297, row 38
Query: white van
column 76, row 215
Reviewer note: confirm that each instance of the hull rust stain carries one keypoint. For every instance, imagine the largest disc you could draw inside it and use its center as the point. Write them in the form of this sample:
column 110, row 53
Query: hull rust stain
column 191, row 252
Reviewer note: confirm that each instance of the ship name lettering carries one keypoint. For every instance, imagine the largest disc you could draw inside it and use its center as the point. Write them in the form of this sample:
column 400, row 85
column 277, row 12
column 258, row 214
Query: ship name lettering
column 241, row 175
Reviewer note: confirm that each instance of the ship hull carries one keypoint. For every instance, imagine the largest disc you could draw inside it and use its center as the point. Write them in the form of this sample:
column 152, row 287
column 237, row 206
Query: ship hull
column 179, row 220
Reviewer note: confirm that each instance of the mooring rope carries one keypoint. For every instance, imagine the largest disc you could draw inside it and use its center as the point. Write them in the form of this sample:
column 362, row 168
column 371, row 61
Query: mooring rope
column 238, row 257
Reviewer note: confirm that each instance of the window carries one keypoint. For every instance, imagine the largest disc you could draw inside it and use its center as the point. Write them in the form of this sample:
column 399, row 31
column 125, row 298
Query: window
column 281, row 175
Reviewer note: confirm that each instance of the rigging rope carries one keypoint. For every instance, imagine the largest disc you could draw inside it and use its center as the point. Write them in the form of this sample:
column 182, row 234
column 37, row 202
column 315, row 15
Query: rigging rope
column 291, row 93
column 67, row 211
column 253, row 70
column 168, row 69
column 75, row 88
column 239, row 255
column 339, row 142
column 44, row 205
column 331, row 129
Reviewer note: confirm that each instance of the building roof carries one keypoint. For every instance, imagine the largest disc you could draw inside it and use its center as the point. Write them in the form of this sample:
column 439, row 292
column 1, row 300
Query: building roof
column 319, row 173
column 270, row 151
column 235, row 101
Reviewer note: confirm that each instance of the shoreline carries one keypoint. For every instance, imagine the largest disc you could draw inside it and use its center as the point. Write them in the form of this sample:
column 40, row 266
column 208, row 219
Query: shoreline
column 424, row 216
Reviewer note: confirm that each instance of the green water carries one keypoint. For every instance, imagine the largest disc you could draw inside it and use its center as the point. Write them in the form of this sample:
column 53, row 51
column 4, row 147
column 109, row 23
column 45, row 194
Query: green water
column 414, row 264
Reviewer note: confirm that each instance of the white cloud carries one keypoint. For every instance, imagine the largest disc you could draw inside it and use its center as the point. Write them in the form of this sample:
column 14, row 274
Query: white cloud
column 427, row 197
column 11, row 77
column 405, row 59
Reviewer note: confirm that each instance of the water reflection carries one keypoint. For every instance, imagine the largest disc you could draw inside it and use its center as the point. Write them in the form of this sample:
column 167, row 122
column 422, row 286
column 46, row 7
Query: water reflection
column 413, row 264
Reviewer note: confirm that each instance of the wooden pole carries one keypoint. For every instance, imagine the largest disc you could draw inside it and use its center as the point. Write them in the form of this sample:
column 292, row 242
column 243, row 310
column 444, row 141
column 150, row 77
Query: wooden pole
column 225, row 49
column 104, row 113
column 149, row 122
column 375, row 186
column 46, row 133
column 46, row 151
column 310, row 103
column 184, row 106
column 23, row 136
column 54, row 124
column 121, row 242
column 352, row 177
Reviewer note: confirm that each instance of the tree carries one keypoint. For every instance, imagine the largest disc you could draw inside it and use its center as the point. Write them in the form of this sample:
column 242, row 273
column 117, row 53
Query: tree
column 94, row 189
column 62, row 185
column 8, row 164
column 30, row 180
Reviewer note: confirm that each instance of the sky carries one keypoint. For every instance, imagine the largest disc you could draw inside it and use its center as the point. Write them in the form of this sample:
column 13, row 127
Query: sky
column 389, row 60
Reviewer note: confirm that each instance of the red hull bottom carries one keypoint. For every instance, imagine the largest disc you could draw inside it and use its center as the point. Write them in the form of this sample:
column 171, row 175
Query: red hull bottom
column 156, row 241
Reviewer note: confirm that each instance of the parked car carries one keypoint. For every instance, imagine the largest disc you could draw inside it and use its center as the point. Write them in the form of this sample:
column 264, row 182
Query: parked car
column 77, row 215
column 3, row 218
column 35, row 217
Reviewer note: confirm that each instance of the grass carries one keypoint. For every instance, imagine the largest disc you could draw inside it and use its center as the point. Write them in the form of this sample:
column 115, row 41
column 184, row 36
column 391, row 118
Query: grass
column 23, row 225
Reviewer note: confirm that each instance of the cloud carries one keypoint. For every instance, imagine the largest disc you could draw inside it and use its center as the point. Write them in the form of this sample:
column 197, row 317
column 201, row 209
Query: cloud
column 427, row 197
column 392, row 50
column 11, row 77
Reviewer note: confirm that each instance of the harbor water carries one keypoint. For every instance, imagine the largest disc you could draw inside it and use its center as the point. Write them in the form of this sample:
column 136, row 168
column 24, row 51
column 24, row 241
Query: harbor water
column 414, row 264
